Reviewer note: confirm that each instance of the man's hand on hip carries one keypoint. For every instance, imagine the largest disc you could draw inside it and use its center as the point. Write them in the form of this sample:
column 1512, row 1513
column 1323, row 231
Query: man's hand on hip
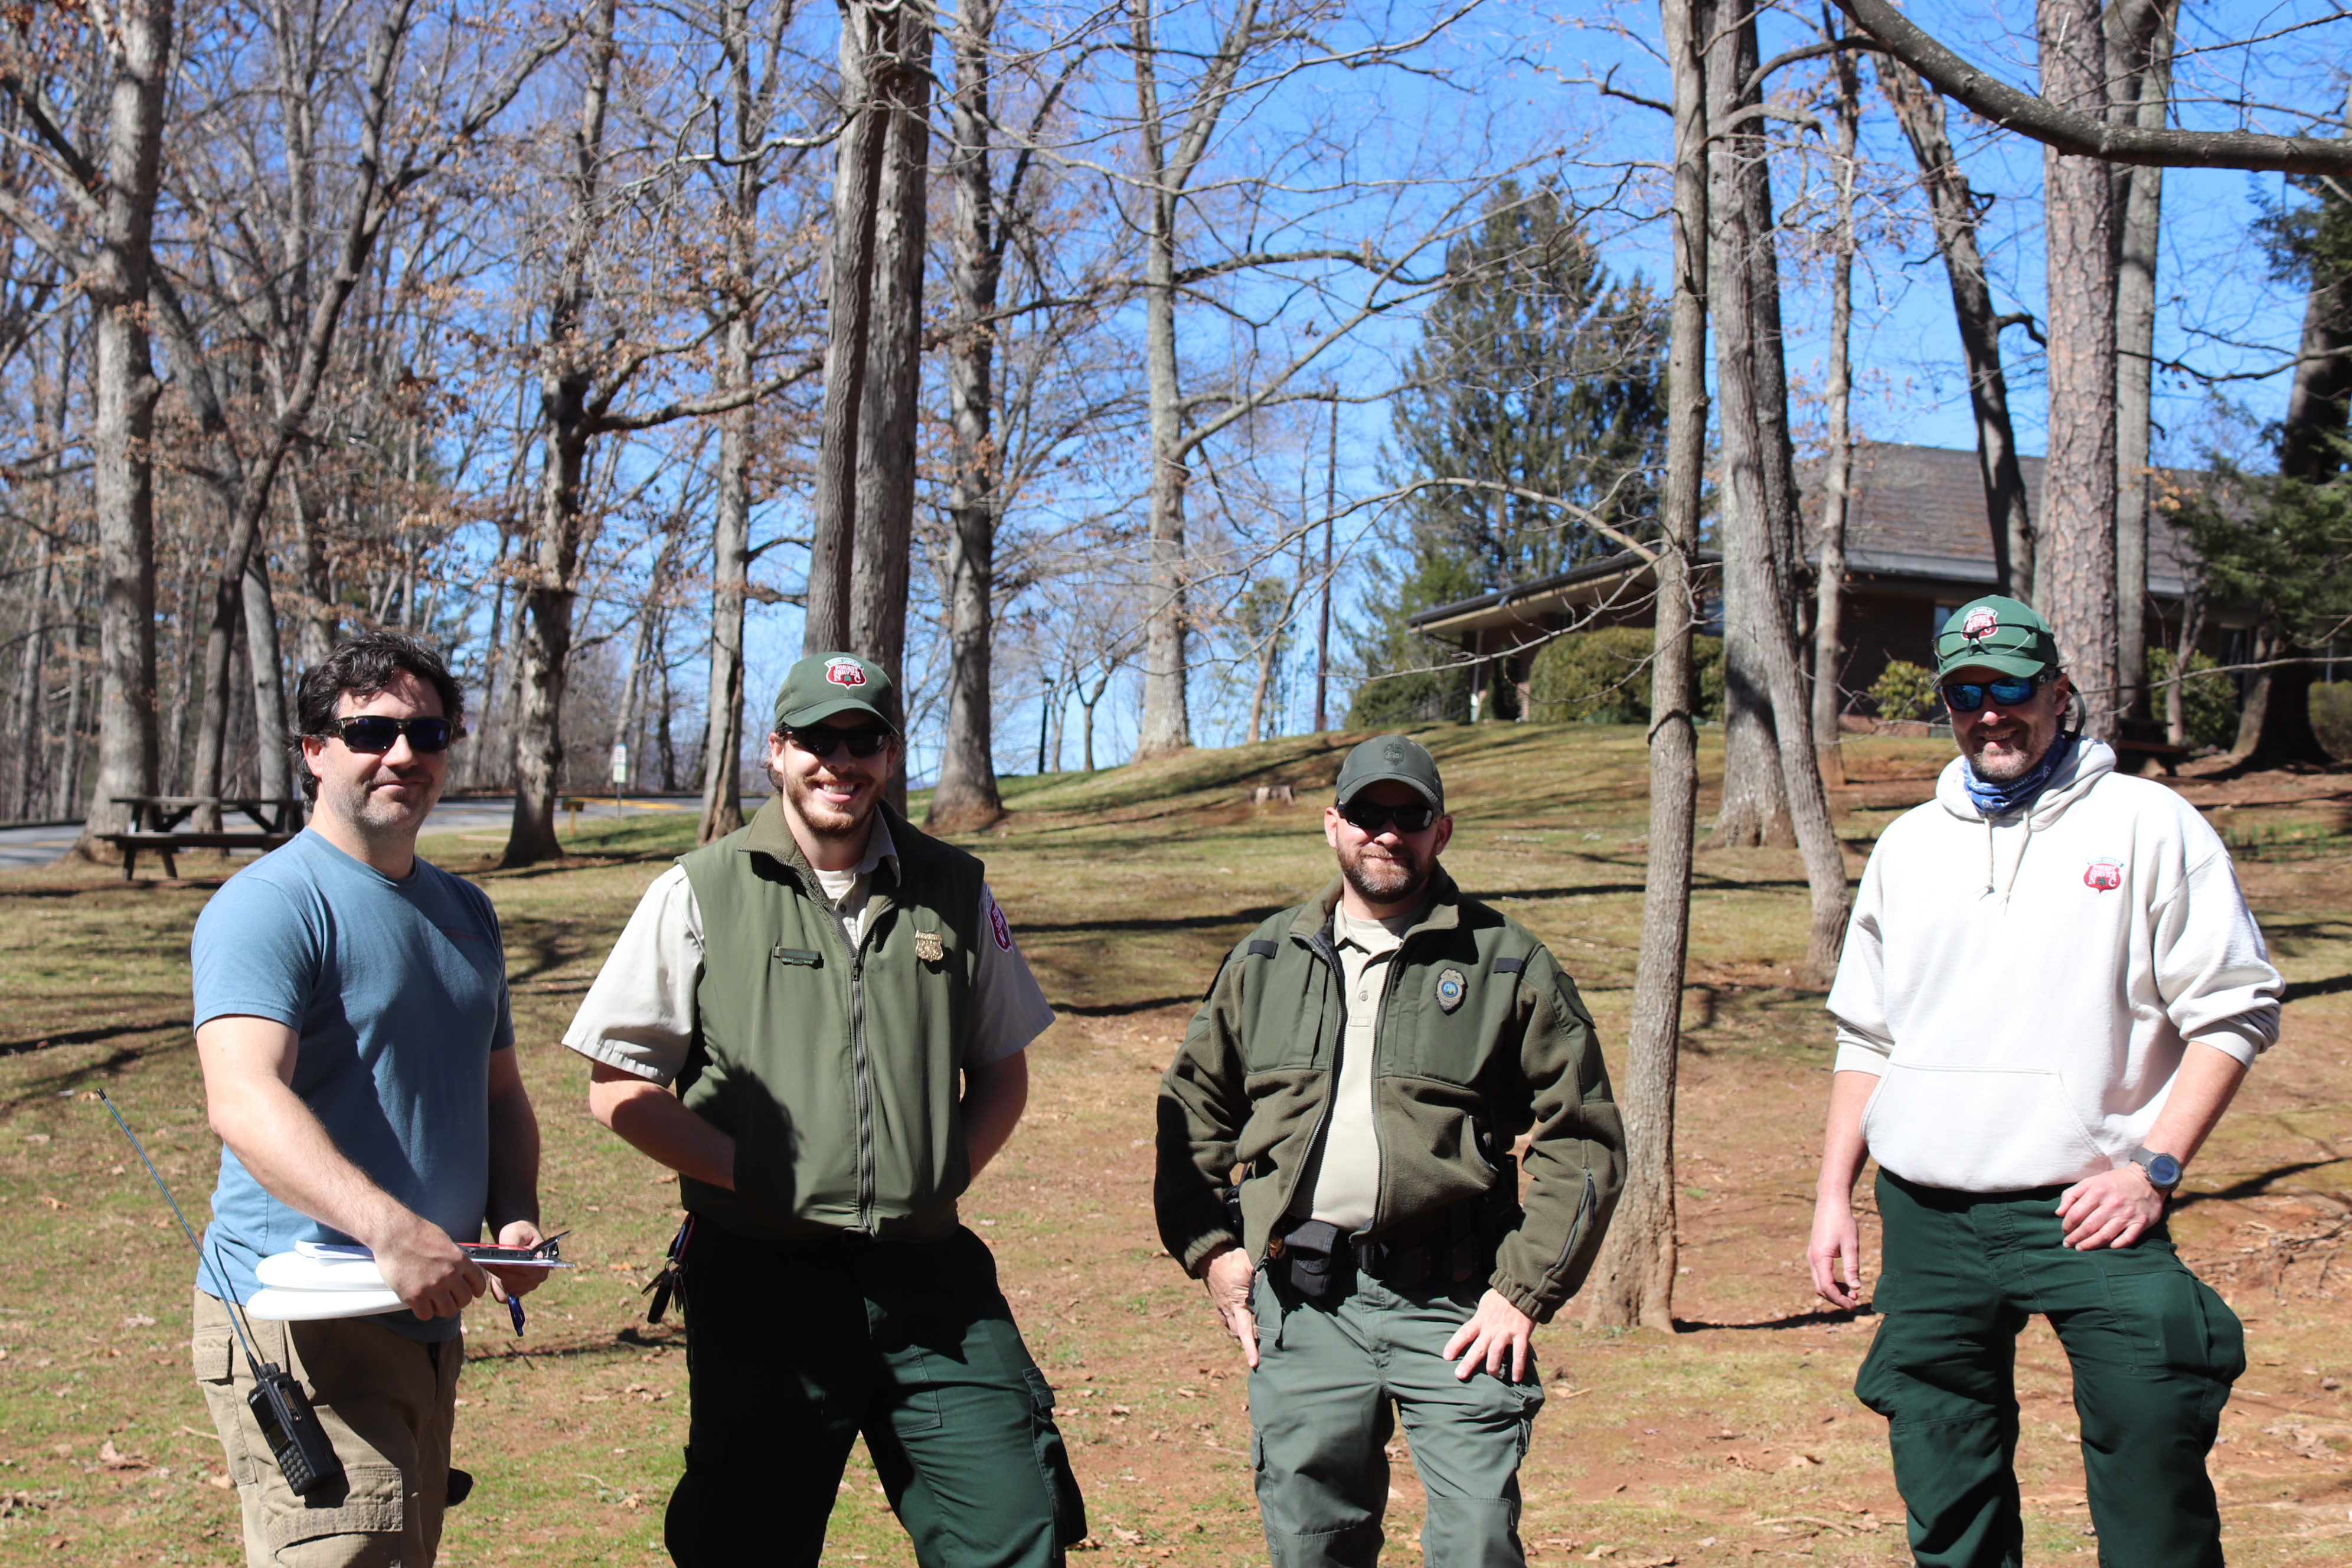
column 1496, row 1327
column 424, row 1268
column 1228, row 1275
column 2111, row 1209
column 1836, row 1238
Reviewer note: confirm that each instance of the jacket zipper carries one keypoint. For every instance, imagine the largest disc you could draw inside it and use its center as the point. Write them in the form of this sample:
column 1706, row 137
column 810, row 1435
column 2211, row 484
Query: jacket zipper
column 1323, row 949
column 1324, row 952
column 859, row 1066
column 1584, row 1207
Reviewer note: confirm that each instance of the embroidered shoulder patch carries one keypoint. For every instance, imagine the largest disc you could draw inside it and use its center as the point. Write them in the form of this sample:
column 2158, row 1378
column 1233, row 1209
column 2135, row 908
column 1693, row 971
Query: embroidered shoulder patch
column 1001, row 927
column 1451, row 988
column 2103, row 875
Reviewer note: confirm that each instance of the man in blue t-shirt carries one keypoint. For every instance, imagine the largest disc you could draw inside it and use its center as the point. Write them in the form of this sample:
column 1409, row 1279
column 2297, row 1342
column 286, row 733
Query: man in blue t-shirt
column 352, row 1019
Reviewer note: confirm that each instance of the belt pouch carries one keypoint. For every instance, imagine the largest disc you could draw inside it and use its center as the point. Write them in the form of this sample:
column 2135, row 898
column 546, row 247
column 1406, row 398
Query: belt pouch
column 1312, row 1251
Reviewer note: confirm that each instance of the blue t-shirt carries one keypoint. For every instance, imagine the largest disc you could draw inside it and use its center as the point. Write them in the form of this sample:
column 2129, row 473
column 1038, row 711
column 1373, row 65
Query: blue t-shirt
column 398, row 990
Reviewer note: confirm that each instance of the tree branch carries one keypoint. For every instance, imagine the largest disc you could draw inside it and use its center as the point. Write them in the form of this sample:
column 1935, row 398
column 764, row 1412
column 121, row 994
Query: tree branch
column 2084, row 135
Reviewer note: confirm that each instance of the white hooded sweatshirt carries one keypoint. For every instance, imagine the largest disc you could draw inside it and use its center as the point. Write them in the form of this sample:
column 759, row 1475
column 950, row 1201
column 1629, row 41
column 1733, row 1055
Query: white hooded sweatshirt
column 2024, row 986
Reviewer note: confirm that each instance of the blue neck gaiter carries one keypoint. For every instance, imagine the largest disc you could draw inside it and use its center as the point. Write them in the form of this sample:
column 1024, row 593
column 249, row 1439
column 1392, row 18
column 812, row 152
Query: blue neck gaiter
column 2000, row 799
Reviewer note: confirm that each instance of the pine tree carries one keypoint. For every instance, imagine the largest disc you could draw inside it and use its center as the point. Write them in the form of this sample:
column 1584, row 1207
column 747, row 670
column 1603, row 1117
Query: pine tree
column 1535, row 370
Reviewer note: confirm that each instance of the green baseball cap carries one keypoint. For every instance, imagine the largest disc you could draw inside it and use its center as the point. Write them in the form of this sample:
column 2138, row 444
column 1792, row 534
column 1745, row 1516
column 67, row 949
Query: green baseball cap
column 824, row 685
column 1391, row 757
column 1996, row 632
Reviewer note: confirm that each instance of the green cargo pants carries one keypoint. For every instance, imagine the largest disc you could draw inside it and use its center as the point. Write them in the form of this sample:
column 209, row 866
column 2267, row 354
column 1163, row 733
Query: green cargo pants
column 2154, row 1352
column 794, row 1348
column 1329, row 1382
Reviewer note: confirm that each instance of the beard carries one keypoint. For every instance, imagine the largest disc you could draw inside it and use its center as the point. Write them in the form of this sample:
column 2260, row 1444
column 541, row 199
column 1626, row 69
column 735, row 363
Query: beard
column 823, row 818
column 1385, row 876
column 2016, row 757
column 372, row 815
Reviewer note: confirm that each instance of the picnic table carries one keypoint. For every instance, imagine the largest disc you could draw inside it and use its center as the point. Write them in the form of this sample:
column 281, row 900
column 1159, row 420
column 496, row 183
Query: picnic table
column 156, row 819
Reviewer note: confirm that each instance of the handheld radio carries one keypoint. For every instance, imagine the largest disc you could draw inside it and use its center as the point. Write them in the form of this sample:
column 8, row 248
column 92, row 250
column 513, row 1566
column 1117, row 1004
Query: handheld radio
column 305, row 1458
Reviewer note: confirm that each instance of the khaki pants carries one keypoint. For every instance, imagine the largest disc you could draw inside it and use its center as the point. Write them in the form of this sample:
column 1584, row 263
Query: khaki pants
column 386, row 1402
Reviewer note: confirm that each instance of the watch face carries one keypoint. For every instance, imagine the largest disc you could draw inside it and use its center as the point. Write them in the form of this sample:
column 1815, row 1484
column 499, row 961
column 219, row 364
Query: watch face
column 2164, row 1171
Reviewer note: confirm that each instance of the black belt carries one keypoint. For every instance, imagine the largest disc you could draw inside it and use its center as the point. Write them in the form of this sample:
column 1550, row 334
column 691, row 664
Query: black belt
column 1319, row 1259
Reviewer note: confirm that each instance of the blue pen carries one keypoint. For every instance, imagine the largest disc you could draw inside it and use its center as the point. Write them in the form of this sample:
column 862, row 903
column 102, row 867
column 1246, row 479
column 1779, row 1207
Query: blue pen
column 514, row 1311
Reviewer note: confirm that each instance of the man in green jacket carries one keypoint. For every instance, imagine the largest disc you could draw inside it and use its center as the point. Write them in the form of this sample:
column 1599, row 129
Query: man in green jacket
column 1362, row 1066
column 819, row 1022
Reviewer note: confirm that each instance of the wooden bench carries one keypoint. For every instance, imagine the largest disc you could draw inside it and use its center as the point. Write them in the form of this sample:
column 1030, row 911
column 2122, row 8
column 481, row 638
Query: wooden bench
column 169, row 845
column 155, row 826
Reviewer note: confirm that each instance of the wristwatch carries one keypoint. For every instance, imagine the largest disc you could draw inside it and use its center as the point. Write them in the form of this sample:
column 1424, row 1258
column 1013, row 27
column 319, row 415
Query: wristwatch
column 2163, row 1170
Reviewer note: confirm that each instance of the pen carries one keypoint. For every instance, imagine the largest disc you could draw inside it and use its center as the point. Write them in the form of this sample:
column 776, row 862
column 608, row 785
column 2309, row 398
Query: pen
column 514, row 1311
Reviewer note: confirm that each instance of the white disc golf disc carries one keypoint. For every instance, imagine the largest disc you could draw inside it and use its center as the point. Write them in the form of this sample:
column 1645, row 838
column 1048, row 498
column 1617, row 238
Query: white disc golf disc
column 282, row 1306
column 297, row 1271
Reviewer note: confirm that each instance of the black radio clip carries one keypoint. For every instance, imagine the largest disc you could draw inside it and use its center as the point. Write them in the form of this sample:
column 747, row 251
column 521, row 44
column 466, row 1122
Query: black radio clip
column 288, row 1425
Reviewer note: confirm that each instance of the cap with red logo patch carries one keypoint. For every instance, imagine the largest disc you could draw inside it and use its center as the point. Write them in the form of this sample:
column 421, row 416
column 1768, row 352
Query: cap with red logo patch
column 826, row 685
column 1996, row 633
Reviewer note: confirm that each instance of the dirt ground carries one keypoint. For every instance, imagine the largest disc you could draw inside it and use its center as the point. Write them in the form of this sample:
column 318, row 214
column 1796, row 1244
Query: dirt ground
column 1734, row 1438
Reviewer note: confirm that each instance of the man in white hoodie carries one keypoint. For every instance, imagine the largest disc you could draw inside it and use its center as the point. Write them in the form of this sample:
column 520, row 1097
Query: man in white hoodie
column 2049, row 991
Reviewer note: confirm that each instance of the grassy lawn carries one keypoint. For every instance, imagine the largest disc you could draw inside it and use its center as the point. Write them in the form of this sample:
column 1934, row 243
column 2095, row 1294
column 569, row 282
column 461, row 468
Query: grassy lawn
column 1736, row 1437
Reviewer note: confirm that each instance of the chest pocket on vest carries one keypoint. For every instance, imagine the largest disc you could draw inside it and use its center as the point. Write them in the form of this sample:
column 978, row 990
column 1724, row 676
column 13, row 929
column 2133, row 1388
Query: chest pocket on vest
column 1293, row 1005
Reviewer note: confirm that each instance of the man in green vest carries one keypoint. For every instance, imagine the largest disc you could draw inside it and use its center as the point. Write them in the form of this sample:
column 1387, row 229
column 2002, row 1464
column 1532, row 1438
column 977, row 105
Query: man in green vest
column 1363, row 1066
column 819, row 1022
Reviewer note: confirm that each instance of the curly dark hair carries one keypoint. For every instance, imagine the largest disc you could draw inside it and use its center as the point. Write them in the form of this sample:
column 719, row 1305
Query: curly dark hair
column 360, row 668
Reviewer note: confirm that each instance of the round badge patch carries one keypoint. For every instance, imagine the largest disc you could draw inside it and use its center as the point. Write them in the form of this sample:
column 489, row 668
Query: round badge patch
column 844, row 672
column 1451, row 988
column 1393, row 754
column 1982, row 623
column 2103, row 874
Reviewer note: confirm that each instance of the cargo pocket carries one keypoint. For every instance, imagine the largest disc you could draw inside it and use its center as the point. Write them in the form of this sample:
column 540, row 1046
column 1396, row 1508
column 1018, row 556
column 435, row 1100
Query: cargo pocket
column 371, row 1501
column 1054, row 1462
column 212, row 1355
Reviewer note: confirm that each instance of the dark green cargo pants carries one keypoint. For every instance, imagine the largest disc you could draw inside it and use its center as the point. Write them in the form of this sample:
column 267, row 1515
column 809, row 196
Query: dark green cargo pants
column 1329, row 1382
column 2154, row 1352
column 796, row 1348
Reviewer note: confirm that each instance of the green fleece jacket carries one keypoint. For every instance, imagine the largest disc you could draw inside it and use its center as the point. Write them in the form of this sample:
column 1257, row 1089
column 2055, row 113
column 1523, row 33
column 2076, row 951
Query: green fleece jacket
column 1481, row 1038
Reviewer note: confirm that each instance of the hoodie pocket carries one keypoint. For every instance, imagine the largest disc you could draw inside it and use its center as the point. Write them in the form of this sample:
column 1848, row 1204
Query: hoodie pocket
column 1983, row 1129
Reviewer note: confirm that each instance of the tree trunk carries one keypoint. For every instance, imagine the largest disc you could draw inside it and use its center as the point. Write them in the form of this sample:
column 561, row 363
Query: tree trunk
column 1633, row 1283
column 273, row 768
column 1168, row 166
column 1829, row 649
column 869, row 41
column 886, row 442
column 123, row 430
column 314, row 637
column 2076, row 586
column 24, row 709
column 731, row 530
column 1952, row 207
column 1755, row 807
column 2275, row 725
column 966, row 796
column 730, row 576
column 1756, row 464
column 552, row 559
column 2140, row 67
column 2192, row 626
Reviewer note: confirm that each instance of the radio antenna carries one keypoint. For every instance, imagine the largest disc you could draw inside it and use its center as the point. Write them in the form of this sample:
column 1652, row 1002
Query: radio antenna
column 288, row 1425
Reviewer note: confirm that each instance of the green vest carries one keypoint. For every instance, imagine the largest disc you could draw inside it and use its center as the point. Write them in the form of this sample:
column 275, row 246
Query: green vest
column 837, row 1073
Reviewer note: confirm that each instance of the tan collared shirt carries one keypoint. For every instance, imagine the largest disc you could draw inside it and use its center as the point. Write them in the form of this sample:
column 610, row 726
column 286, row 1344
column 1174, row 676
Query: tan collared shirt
column 1341, row 1184
column 639, row 1015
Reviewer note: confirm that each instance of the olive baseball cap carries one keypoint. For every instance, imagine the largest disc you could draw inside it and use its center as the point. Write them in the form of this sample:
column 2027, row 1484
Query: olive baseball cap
column 1996, row 633
column 825, row 685
column 1384, row 758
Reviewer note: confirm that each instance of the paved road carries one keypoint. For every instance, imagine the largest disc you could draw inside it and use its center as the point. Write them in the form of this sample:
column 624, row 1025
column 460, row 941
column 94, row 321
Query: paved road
column 27, row 846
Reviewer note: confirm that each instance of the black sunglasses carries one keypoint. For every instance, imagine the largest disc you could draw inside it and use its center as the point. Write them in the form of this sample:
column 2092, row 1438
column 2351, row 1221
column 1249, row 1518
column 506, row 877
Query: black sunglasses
column 1967, row 696
column 375, row 732
column 819, row 741
column 1372, row 818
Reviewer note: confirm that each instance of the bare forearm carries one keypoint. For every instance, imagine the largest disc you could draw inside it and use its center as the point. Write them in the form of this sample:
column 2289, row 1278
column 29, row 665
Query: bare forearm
column 2201, row 1090
column 657, row 1124
column 1843, row 1150
column 993, row 1099
column 514, row 1159
column 283, row 1146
